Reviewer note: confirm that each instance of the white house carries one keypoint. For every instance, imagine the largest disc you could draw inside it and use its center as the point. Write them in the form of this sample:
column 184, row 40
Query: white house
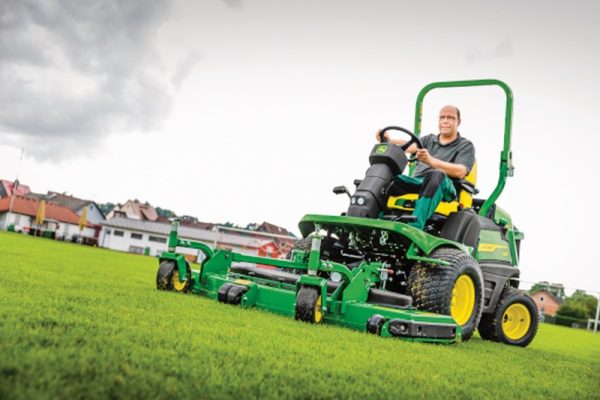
column 150, row 238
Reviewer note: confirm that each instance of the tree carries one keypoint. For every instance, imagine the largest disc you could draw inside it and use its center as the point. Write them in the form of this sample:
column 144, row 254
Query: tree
column 580, row 305
column 106, row 207
column 556, row 289
column 163, row 212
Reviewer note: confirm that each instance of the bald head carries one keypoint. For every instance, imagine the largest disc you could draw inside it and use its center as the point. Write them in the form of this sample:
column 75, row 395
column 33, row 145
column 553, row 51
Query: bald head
column 449, row 120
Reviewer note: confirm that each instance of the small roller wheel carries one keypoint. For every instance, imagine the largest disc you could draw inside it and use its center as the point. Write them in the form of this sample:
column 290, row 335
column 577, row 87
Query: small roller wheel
column 375, row 323
column 222, row 293
column 309, row 305
column 235, row 293
column 167, row 277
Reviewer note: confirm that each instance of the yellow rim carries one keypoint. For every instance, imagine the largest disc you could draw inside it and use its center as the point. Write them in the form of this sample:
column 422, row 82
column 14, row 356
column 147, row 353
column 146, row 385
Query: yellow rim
column 177, row 285
column 463, row 299
column 516, row 321
column 318, row 312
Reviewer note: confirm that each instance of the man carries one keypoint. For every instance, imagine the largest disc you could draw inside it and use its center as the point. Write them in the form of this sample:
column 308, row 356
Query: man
column 443, row 156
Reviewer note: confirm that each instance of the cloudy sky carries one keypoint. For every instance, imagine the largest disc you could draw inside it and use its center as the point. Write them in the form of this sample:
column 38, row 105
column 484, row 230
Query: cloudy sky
column 252, row 110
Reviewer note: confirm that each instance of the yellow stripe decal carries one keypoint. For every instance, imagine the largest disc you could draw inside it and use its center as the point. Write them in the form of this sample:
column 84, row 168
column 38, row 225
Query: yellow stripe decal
column 490, row 247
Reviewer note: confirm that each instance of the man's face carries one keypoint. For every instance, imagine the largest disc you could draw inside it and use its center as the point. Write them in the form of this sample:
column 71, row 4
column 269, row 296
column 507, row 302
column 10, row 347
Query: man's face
column 448, row 121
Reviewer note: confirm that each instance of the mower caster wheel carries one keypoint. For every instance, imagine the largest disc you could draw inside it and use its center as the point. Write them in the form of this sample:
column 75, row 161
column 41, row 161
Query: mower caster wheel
column 375, row 323
column 167, row 277
column 222, row 293
column 235, row 293
column 309, row 305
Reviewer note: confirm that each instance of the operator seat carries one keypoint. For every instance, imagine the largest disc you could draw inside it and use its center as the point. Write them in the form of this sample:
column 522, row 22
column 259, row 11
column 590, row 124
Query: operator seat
column 465, row 189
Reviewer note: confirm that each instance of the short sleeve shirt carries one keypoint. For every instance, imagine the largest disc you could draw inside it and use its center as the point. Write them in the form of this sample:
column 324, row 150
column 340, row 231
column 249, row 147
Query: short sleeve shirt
column 460, row 151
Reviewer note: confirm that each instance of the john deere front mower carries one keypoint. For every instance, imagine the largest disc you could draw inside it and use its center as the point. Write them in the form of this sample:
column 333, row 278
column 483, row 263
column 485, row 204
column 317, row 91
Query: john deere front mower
column 369, row 270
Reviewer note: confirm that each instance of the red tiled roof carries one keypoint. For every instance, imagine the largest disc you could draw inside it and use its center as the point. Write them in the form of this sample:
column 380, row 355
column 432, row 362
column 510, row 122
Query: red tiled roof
column 28, row 206
column 8, row 187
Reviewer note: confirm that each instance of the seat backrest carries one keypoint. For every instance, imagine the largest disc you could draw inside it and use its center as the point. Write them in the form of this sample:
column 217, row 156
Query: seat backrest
column 465, row 196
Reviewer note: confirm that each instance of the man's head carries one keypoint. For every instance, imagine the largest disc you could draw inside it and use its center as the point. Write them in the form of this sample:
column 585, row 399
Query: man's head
column 449, row 120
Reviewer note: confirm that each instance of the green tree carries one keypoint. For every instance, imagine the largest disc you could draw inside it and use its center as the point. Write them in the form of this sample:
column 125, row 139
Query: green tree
column 580, row 305
column 163, row 212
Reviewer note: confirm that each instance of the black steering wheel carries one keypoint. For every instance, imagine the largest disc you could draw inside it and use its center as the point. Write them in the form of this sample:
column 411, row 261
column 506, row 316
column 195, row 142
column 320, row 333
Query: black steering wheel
column 413, row 139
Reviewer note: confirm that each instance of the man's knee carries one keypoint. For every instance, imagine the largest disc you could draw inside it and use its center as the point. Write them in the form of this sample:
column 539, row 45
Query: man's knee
column 432, row 182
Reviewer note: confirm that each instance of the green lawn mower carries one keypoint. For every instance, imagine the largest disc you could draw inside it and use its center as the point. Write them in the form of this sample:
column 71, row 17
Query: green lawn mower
column 369, row 270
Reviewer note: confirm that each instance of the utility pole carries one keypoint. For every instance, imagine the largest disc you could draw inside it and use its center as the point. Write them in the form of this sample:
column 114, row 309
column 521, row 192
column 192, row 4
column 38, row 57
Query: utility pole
column 597, row 315
column 15, row 186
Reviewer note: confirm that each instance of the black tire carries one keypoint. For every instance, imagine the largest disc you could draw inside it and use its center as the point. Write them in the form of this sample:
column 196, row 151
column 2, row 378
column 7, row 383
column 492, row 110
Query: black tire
column 375, row 323
column 235, row 293
column 308, row 305
column 432, row 288
column 167, row 277
column 222, row 293
column 514, row 321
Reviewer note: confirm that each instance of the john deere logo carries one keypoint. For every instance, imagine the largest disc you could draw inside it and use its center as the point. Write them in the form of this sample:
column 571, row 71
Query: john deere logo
column 382, row 148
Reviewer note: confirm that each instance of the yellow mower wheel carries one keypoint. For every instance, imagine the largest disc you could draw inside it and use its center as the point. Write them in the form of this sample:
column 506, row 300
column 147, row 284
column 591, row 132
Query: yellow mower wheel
column 514, row 320
column 463, row 299
column 167, row 277
column 309, row 305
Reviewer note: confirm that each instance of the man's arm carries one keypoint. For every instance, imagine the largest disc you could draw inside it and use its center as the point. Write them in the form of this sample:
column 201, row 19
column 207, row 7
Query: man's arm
column 457, row 171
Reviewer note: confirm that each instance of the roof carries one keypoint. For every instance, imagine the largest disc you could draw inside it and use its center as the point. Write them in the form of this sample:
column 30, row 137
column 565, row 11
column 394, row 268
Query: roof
column 272, row 228
column 547, row 293
column 185, row 232
column 64, row 200
column 29, row 206
column 8, row 188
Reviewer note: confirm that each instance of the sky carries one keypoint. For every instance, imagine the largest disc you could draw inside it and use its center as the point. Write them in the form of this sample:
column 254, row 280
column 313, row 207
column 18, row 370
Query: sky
column 253, row 110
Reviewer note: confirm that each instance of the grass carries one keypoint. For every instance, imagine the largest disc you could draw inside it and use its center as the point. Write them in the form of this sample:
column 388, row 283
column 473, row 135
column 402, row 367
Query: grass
column 79, row 322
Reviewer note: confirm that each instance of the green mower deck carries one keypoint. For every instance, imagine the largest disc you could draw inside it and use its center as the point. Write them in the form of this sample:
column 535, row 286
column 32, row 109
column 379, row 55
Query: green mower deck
column 352, row 301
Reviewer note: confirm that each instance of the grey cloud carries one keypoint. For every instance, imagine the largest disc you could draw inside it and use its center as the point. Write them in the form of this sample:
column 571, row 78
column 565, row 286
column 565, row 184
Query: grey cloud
column 185, row 68
column 75, row 71
column 234, row 3
column 502, row 50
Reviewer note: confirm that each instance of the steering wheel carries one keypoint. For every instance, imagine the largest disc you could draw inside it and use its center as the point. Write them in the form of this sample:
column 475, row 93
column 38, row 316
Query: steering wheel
column 413, row 139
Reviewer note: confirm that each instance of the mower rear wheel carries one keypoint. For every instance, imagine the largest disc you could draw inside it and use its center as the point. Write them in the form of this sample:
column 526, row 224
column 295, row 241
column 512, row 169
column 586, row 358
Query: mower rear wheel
column 514, row 321
column 167, row 277
column 455, row 289
column 309, row 305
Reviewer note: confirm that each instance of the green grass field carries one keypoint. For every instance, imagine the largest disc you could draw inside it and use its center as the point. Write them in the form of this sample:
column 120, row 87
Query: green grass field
column 80, row 322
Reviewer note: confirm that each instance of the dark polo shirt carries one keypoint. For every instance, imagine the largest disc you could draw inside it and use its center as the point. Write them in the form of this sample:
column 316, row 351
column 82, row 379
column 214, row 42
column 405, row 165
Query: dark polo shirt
column 459, row 151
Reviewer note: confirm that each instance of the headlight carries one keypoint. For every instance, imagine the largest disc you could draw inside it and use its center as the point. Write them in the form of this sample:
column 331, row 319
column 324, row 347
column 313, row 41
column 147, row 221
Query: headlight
column 353, row 201
column 361, row 201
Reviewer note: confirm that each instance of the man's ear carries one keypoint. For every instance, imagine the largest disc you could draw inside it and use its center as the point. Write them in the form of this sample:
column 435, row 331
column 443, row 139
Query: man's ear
column 458, row 124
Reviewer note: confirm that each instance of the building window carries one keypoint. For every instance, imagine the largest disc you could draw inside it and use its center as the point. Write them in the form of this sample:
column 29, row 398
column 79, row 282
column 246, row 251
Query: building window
column 136, row 235
column 157, row 239
column 542, row 298
column 136, row 250
column 108, row 231
column 119, row 233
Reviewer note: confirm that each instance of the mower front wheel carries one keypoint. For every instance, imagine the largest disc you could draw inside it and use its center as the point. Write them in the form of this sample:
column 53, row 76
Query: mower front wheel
column 167, row 277
column 514, row 321
column 309, row 305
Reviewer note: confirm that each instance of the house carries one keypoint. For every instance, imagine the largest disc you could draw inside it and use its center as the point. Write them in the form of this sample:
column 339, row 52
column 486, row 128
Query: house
column 150, row 238
column 63, row 222
column 94, row 214
column 7, row 188
column 134, row 209
column 546, row 302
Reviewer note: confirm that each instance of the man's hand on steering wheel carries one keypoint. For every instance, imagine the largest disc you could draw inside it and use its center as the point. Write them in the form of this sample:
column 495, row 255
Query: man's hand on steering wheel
column 384, row 137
